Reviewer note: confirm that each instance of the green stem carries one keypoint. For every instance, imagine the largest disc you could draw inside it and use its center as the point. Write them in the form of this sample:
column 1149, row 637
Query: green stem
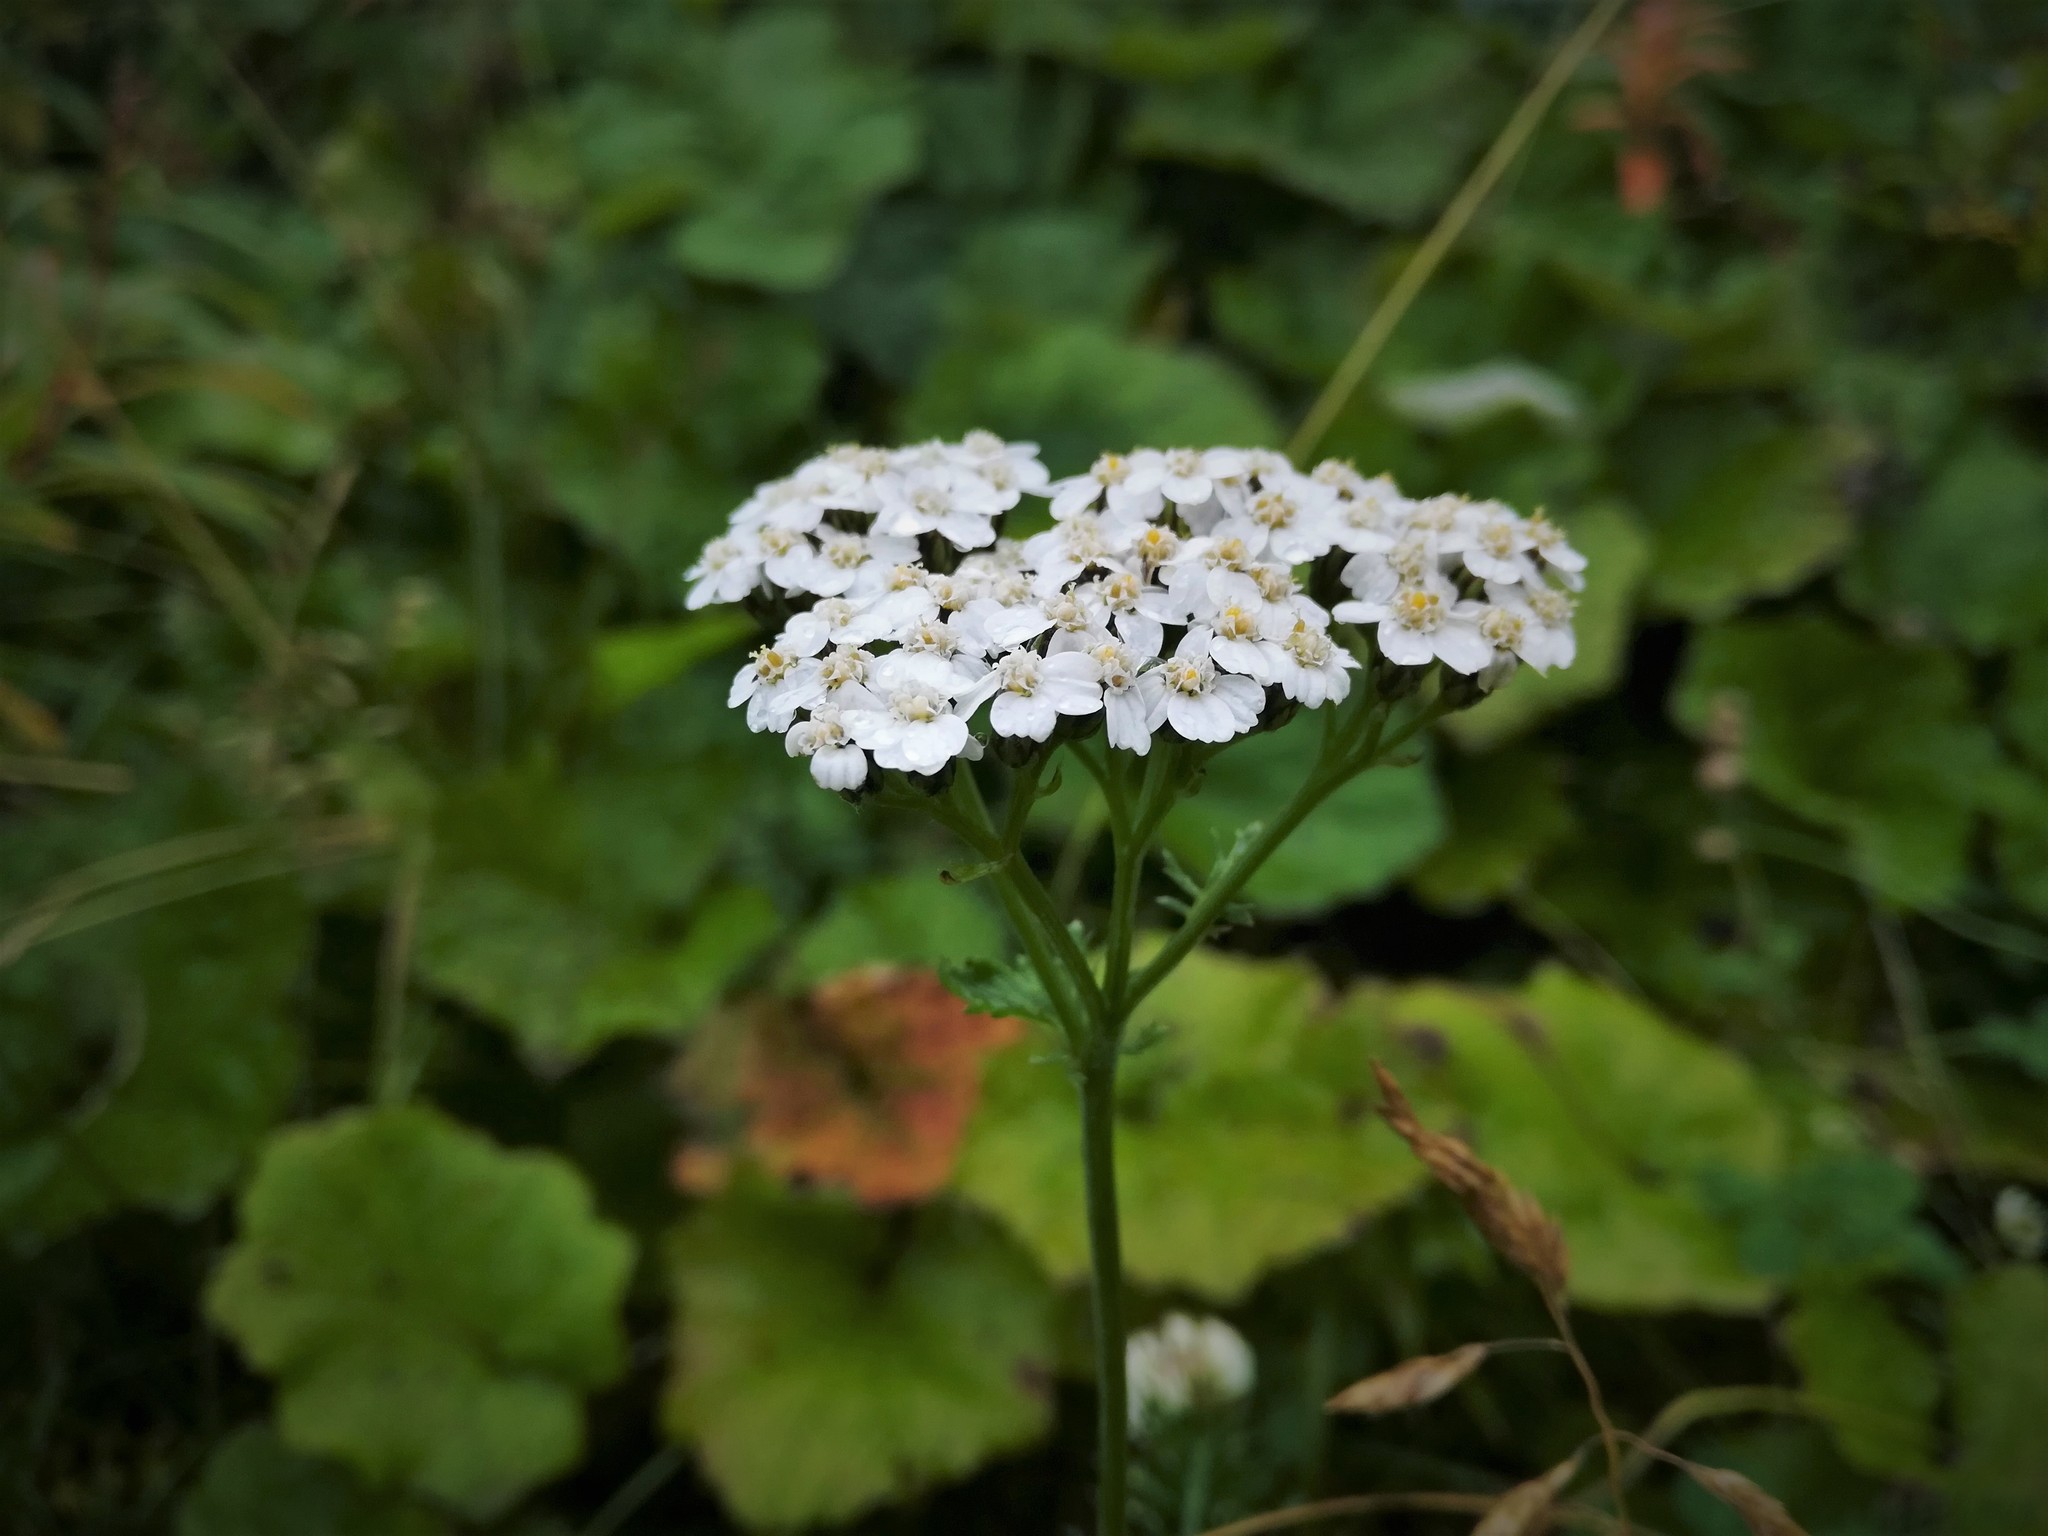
column 1219, row 893
column 1123, row 919
column 1105, row 1252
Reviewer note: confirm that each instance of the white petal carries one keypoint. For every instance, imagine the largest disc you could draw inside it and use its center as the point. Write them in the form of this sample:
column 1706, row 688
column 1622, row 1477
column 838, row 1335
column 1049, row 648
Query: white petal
column 1405, row 647
column 1462, row 647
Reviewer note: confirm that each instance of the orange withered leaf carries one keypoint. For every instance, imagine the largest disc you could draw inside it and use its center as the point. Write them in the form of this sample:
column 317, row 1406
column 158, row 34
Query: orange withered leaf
column 868, row 1082
column 1516, row 1227
column 1410, row 1384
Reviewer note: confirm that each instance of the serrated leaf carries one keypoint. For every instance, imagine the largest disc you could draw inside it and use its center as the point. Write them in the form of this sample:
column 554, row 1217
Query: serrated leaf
column 1568, row 1088
column 1242, row 1135
column 255, row 1485
column 998, row 988
column 431, row 1305
column 1875, row 741
column 826, row 1361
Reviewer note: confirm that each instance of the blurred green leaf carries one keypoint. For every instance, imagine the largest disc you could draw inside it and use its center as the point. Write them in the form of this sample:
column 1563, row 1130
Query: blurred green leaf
column 1970, row 558
column 2025, row 709
column 1049, row 266
column 627, row 664
column 1874, row 741
column 1605, row 1113
column 1242, row 1135
column 1876, row 1383
column 1506, row 812
column 431, row 1304
column 143, row 1068
column 827, row 1360
column 1073, row 387
column 1126, row 41
column 254, row 1485
column 800, row 139
column 908, row 919
column 1832, row 1221
column 562, row 979
column 1999, row 1483
column 1378, row 118
column 1737, row 510
column 1356, row 844
column 1298, row 303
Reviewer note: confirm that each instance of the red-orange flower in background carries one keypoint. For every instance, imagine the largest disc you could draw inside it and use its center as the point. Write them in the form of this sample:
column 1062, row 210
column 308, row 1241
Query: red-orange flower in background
column 1668, row 43
column 868, row 1082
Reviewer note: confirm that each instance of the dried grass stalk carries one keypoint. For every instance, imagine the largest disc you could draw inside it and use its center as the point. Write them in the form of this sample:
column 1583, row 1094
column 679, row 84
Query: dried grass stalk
column 1516, row 1227
column 1525, row 1508
column 1410, row 1384
column 1764, row 1515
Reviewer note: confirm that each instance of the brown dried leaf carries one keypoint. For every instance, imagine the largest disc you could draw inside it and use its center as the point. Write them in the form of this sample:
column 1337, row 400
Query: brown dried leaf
column 868, row 1083
column 1764, row 1515
column 1516, row 1227
column 1524, row 1507
column 1409, row 1384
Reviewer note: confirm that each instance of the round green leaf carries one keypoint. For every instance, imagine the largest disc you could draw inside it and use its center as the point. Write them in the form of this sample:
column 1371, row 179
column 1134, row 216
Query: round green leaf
column 1352, row 846
column 1758, row 520
column 1879, row 742
column 1605, row 1113
column 146, row 1064
column 430, row 1304
column 828, row 1360
column 1876, row 1383
column 1971, row 557
column 1999, row 1484
column 255, row 1485
column 1242, row 1136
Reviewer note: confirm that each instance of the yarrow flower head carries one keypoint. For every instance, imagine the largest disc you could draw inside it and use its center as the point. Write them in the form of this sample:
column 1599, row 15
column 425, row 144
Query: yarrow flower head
column 1184, row 1365
column 938, row 597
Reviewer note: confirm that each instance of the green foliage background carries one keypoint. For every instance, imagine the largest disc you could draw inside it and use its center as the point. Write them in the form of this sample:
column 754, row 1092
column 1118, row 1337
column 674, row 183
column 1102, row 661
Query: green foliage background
column 374, row 832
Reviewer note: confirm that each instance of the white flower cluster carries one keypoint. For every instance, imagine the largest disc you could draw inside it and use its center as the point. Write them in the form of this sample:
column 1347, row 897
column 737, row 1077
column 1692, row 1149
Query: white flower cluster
column 1165, row 593
column 1185, row 1363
